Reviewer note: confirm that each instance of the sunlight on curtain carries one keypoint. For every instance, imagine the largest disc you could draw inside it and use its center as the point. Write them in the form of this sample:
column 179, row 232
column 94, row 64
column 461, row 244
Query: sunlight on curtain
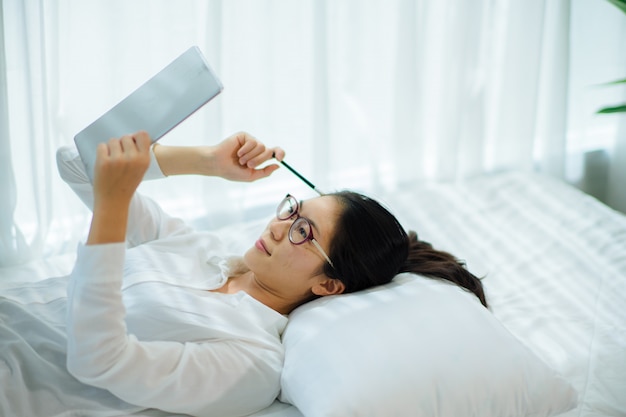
column 27, row 140
column 11, row 240
column 369, row 95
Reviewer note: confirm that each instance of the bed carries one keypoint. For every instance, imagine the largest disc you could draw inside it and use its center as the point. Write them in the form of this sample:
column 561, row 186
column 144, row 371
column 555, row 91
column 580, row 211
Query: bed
column 553, row 343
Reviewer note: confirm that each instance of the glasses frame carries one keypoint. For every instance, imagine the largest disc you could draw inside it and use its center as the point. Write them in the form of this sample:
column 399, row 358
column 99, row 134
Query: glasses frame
column 309, row 237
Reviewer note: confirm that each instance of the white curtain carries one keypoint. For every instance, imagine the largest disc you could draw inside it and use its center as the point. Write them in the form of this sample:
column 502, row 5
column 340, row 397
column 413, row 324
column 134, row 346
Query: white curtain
column 28, row 68
column 370, row 95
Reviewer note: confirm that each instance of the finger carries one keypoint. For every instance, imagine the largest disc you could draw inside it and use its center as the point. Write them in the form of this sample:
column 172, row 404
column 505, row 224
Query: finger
column 246, row 143
column 257, row 156
column 278, row 153
column 102, row 155
column 264, row 172
column 143, row 141
column 249, row 151
column 249, row 148
column 246, row 148
column 266, row 155
column 115, row 148
column 129, row 147
column 102, row 151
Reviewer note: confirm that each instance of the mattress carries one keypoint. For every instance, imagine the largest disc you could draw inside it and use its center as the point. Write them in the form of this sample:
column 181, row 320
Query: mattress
column 553, row 261
column 554, row 267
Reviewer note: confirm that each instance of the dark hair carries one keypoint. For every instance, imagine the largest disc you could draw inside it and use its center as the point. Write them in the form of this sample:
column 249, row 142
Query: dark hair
column 370, row 247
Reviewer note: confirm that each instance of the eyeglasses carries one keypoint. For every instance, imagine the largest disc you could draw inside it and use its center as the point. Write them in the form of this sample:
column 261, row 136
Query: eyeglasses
column 301, row 229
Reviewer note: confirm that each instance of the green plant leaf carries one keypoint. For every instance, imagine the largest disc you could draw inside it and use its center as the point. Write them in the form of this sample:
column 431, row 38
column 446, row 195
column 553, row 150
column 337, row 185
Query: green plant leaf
column 620, row 4
column 617, row 82
column 613, row 109
column 611, row 83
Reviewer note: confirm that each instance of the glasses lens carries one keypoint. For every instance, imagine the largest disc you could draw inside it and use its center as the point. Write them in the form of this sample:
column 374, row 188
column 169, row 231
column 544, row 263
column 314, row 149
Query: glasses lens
column 287, row 208
column 300, row 231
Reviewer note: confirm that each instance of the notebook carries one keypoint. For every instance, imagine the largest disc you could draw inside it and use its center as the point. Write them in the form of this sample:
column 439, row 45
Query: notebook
column 157, row 106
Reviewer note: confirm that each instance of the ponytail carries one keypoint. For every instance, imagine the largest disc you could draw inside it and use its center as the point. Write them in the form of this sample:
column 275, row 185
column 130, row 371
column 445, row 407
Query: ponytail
column 370, row 247
column 424, row 260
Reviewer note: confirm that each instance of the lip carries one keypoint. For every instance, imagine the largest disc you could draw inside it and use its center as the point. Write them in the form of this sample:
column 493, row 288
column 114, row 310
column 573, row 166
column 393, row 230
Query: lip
column 260, row 244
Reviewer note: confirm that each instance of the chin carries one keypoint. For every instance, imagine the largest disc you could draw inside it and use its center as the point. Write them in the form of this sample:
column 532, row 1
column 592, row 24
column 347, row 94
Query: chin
column 251, row 257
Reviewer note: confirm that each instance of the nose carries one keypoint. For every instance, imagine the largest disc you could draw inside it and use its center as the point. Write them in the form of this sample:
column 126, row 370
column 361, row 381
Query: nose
column 279, row 228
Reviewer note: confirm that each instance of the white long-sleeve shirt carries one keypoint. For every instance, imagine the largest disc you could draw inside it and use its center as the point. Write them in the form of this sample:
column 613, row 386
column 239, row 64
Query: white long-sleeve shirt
column 142, row 325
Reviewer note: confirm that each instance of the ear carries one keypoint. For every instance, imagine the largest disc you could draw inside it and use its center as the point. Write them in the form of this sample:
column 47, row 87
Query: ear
column 328, row 286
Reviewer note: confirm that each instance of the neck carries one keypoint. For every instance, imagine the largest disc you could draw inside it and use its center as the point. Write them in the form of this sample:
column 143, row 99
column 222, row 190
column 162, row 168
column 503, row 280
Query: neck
column 248, row 283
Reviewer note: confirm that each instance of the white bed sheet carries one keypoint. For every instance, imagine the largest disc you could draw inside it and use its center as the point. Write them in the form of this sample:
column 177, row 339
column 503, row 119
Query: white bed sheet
column 555, row 266
column 554, row 261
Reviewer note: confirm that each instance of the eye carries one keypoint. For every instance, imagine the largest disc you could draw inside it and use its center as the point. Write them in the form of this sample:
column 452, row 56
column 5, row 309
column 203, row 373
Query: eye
column 303, row 232
column 287, row 209
column 291, row 207
column 300, row 231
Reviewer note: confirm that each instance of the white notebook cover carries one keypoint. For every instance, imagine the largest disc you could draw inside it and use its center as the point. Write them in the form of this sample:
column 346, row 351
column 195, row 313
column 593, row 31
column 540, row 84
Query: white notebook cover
column 157, row 106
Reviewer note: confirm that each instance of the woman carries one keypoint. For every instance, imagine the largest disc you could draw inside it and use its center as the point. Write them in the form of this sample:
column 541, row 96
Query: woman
column 159, row 316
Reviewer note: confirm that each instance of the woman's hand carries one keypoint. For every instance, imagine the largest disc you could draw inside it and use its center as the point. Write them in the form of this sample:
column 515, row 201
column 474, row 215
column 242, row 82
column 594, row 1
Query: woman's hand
column 237, row 157
column 120, row 167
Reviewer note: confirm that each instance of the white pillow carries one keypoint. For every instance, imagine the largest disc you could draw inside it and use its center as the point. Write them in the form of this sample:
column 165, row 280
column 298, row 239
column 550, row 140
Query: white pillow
column 414, row 347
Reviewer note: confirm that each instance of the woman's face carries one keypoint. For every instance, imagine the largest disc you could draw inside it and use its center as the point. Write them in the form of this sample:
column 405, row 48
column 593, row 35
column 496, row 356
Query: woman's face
column 290, row 270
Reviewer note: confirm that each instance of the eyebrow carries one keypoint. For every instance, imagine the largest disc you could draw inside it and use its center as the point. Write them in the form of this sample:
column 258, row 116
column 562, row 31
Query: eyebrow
column 310, row 221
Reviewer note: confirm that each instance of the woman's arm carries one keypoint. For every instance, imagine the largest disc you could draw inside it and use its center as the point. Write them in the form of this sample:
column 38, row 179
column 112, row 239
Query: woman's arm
column 120, row 167
column 210, row 378
column 236, row 158
column 146, row 220
column 217, row 377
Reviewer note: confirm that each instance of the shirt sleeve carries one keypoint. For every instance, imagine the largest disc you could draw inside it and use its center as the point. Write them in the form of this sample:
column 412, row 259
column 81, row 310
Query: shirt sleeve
column 146, row 220
column 221, row 377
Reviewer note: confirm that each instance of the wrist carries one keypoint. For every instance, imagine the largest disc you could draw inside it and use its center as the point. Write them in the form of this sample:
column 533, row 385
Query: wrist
column 109, row 222
column 185, row 160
